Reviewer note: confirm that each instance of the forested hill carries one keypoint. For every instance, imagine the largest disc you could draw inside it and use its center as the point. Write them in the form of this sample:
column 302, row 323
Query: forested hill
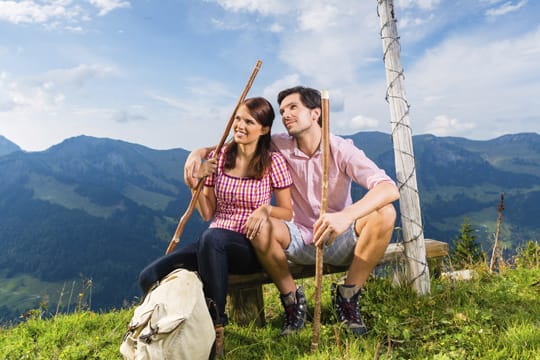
column 89, row 208
column 460, row 178
column 101, row 209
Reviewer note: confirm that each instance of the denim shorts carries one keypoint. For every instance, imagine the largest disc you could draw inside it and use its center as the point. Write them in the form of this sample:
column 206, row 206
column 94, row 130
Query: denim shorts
column 339, row 253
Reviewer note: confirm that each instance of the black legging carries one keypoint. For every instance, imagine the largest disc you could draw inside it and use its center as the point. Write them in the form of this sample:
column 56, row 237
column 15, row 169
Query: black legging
column 217, row 254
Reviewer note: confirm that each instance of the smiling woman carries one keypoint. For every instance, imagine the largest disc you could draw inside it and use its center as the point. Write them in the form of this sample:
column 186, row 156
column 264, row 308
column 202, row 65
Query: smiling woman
column 239, row 184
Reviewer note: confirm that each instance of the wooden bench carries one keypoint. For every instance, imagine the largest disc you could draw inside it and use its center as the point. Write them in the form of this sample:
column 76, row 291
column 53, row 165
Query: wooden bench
column 246, row 294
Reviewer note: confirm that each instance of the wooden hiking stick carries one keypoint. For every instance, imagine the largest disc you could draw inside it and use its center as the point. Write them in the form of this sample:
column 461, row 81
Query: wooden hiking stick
column 195, row 196
column 325, row 146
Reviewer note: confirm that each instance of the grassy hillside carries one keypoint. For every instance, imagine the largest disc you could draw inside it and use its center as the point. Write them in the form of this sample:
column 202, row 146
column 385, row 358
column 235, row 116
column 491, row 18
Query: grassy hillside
column 101, row 209
column 494, row 316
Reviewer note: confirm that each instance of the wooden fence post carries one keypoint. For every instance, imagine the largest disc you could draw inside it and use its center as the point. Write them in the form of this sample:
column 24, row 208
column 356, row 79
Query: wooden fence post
column 496, row 253
column 411, row 221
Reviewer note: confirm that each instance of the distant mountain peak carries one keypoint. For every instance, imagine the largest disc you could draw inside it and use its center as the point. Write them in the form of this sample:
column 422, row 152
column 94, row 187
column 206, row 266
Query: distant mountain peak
column 7, row 146
column 520, row 137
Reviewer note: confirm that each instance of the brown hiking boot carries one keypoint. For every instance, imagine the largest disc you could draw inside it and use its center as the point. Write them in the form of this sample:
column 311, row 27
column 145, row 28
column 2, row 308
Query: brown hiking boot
column 295, row 311
column 220, row 337
column 345, row 300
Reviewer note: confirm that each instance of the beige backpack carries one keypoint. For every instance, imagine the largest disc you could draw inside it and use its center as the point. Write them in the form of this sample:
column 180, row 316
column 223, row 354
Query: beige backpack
column 172, row 323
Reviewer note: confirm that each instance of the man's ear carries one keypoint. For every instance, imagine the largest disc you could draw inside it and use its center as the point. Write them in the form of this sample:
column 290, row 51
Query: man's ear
column 316, row 113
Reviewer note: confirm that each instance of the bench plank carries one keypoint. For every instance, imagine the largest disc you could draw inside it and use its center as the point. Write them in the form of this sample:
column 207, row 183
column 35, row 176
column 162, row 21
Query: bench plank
column 246, row 296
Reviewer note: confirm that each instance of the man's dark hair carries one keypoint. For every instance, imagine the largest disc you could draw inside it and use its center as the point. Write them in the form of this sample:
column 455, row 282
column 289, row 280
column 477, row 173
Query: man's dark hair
column 310, row 98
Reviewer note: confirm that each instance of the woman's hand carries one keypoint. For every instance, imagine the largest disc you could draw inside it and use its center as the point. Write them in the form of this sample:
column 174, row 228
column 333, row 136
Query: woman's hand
column 192, row 166
column 207, row 168
column 256, row 220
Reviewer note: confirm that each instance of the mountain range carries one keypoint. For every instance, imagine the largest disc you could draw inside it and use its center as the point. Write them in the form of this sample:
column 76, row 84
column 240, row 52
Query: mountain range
column 79, row 220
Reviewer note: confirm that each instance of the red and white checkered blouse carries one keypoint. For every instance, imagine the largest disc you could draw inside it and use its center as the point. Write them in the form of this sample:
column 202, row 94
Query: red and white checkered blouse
column 238, row 197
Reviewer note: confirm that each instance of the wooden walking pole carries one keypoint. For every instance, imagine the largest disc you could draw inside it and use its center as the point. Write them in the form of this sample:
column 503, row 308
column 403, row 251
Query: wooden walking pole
column 409, row 203
column 195, row 196
column 325, row 147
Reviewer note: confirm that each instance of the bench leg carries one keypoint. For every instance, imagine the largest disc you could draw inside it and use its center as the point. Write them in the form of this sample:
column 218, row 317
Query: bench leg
column 247, row 304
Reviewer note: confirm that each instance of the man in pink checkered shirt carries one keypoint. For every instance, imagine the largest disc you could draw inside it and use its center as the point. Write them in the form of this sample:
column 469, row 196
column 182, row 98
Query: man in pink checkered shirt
column 354, row 234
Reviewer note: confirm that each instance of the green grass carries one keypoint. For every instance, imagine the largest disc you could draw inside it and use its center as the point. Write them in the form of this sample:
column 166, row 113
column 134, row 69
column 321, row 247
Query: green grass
column 21, row 293
column 494, row 316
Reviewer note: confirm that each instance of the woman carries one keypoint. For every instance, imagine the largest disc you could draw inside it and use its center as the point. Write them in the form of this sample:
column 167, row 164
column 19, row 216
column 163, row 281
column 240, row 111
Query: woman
column 236, row 197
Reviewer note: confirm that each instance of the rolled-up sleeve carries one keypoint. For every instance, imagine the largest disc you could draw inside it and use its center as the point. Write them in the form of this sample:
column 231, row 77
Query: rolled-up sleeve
column 360, row 168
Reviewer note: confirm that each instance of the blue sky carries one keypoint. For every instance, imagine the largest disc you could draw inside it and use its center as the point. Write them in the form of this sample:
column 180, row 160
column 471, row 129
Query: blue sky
column 167, row 74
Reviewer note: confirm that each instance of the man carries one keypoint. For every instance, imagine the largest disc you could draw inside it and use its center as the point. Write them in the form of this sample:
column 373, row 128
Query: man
column 352, row 234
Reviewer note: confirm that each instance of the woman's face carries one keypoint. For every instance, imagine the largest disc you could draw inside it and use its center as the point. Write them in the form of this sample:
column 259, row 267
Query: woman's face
column 246, row 129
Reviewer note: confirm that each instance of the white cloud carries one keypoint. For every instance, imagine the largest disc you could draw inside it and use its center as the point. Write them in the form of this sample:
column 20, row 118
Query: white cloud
column 327, row 42
column 319, row 18
column 227, row 25
column 264, row 7
column 422, row 4
column 54, row 14
column 476, row 80
column 45, row 92
column 443, row 125
column 43, row 108
column 407, row 22
column 360, row 122
column 26, row 97
column 464, row 76
column 79, row 75
column 506, row 8
column 331, row 49
column 270, row 92
column 75, row 29
column 106, row 6
column 32, row 12
column 276, row 28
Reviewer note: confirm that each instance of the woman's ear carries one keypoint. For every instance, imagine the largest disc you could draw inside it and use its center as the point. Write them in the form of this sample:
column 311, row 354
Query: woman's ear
column 265, row 130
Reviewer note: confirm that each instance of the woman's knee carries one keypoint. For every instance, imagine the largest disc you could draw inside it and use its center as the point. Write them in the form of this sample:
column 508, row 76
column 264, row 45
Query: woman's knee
column 215, row 241
column 208, row 240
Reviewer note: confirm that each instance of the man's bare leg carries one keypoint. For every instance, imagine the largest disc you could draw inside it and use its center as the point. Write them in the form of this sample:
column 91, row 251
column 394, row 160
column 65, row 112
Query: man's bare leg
column 374, row 234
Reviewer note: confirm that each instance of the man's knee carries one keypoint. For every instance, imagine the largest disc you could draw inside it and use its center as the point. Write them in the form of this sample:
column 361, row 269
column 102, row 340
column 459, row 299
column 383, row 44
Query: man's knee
column 388, row 216
column 382, row 220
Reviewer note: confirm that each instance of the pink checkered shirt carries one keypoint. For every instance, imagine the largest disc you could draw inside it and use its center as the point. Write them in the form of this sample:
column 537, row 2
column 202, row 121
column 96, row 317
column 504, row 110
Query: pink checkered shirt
column 238, row 197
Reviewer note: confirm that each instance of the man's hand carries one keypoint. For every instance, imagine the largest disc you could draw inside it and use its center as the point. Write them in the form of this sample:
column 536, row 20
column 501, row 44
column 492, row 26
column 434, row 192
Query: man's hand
column 329, row 226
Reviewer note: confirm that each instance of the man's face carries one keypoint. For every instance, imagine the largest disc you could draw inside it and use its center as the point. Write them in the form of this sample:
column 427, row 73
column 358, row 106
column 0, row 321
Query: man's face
column 296, row 116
